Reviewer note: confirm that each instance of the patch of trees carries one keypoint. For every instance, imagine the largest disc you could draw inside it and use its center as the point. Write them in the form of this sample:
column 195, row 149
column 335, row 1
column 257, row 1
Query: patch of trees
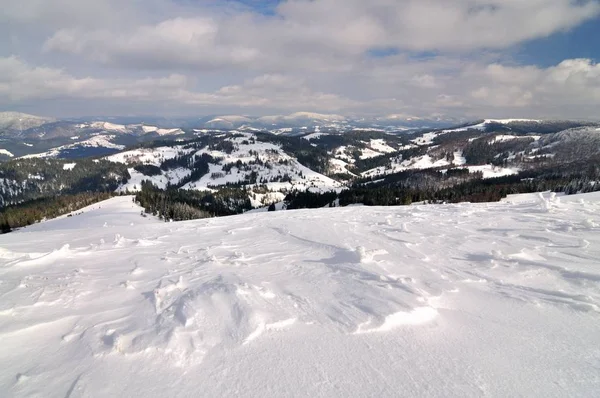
column 180, row 204
column 223, row 146
column 29, row 213
column 430, row 186
column 315, row 158
column 22, row 180
column 148, row 169
column 481, row 151
column 309, row 200
column 545, row 127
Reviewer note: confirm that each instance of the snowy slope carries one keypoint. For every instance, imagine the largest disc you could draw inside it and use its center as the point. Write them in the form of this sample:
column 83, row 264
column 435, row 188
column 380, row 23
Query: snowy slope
column 153, row 156
column 482, row 126
column 416, row 163
column 461, row 300
column 97, row 141
column 275, row 164
column 117, row 128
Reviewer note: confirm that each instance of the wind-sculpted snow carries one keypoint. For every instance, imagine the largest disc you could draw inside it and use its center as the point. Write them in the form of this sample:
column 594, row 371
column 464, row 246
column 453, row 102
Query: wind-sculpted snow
column 495, row 299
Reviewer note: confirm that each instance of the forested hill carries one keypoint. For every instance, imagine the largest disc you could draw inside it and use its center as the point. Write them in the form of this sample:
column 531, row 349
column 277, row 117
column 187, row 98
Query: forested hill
column 221, row 173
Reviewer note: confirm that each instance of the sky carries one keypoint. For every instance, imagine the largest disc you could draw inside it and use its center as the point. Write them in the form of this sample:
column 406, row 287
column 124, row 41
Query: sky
column 424, row 58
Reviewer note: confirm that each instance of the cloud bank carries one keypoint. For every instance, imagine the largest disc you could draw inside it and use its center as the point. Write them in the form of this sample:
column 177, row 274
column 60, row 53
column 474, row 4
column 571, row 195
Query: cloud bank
column 417, row 57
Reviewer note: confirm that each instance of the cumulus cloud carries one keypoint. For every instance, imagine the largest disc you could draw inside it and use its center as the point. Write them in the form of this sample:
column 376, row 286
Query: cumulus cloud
column 347, row 56
column 21, row 83
column 345, row 28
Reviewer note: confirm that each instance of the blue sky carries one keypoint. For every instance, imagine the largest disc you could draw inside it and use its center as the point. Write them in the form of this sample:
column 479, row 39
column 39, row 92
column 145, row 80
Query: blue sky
column 579, row 42
column 535, row 58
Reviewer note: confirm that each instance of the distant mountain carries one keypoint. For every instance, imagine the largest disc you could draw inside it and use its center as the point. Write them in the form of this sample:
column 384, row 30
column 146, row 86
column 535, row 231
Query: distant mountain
column 229, row 169
column 227, row 122
column 22, row 134
column 15, row 121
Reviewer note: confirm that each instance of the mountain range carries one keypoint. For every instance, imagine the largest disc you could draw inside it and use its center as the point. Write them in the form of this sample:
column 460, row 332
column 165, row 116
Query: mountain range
column 262, row 167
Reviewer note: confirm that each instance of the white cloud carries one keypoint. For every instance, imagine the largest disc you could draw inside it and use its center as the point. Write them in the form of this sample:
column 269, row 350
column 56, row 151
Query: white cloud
column 343, row 28
column 310, row 55
column 22, row 83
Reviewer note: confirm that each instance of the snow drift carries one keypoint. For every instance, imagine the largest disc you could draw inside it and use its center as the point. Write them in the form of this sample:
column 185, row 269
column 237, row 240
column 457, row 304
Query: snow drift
column 464, row 300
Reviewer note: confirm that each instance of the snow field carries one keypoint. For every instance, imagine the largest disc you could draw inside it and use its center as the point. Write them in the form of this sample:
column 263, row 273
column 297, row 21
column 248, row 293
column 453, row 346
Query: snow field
column 494, row 299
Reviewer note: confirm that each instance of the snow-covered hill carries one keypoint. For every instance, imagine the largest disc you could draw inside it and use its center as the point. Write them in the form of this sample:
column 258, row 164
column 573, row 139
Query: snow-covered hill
column 240, row 160
column 102, row 142
column 495, row 299
column 16, row 121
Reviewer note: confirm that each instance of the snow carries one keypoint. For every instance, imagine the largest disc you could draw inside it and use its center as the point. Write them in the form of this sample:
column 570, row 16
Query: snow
column 313, row 136
column 276, row 164
column 459, row 159
column 503, row 138
column 101, row 141
column 342, row 154
column 416, row 163
column 427, row 138
column 315, row 116
column 230, row 119
column 282, row 130
column 119, row 128
column 153, row 156
column 95, row 141
column 173, row 177
column 163, row 132
column 494, row 299
column 69, row 166
column 490, row 171
column 483, row 125
column 368, row 153
column 339, row 166
column 7, row 153
column 21, row 121
column 149, row 129
column 508, row 121
column 380, row 145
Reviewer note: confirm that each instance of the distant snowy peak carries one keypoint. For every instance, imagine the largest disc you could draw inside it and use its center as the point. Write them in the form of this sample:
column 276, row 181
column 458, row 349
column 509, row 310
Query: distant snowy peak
column 163, row 132
column 135, row 129
column 107, row 126
column 227, row 122
column 294, row 120
column 316, row 117
column 149, row 129
column 508, row 121
column 21, row 121
column 102, row 142
column 522, row 125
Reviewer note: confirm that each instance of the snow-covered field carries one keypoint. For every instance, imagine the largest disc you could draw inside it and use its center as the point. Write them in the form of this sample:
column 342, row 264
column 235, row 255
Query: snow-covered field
column 495, row 299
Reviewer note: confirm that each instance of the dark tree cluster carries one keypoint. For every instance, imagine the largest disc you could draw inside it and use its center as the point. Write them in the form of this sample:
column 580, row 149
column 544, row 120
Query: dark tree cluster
column 28, row 213
column 22, row 180
column 148, row 169
column 577, row 177
column 179, row 204
column 482, row 151
column 309, row 200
